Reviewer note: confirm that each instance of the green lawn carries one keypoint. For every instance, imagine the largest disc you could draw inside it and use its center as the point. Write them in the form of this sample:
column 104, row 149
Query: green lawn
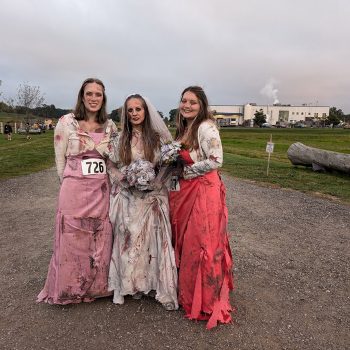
column 21, row 156
column 244, row 157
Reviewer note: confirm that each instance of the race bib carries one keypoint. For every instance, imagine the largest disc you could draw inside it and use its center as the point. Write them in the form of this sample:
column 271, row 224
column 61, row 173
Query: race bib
column 174, row 183
column 93, row 166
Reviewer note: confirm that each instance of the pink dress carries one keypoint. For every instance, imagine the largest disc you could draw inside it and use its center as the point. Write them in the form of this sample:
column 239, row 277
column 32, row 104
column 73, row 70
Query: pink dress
column 79, row 266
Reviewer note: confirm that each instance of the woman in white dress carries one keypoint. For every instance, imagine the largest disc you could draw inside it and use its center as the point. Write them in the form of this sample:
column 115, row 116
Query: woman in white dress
column 142, row 260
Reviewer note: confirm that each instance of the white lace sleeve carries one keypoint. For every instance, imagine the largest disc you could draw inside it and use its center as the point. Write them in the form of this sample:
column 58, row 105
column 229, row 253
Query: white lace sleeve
column 115, row 175
column 113, row 146
column 211, row 149
column 61, row 143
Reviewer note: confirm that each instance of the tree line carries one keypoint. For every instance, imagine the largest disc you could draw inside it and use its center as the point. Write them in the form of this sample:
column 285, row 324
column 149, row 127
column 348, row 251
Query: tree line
column 29, row 100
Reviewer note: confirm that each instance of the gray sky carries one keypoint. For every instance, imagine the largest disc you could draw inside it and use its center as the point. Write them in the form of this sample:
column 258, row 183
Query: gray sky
column 297, row 51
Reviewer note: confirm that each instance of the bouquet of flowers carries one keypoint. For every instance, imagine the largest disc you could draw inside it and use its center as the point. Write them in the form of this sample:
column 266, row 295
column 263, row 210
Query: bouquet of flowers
column 139, row 174
column 171, row 158
column 169, row 152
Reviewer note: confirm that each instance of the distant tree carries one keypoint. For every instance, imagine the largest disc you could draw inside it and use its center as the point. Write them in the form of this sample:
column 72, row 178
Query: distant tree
column 172, row 116
column 59, row 112
column 21, row 110
column 116, row 115
column 4, row 107
column 45, row 111
column 28, row 97
column 335, row 116
column 10, row 102
column 259, row 117
column 161, row 114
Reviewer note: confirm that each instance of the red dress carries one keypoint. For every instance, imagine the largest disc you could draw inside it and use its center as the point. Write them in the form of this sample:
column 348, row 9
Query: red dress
column 202, row 251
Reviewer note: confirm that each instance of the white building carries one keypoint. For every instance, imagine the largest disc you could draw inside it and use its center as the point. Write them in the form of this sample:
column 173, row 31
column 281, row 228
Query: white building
column 277, row 113
column 228, row 115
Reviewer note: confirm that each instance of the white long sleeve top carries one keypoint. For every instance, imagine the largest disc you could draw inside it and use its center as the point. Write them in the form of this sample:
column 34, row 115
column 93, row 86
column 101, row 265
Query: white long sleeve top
column 209, row 155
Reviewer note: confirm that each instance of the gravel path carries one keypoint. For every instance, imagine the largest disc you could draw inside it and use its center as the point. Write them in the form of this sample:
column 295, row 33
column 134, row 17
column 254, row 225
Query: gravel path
column 291, row 253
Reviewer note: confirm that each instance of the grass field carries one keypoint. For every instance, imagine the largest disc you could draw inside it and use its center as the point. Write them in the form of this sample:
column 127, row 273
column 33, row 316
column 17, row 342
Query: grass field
column 244, row 157
column 21, row 156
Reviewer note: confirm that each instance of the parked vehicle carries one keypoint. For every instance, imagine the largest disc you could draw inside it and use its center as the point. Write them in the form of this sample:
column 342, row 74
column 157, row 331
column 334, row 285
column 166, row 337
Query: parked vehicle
column 280, row 125
column 266, row 125
column 31, row 131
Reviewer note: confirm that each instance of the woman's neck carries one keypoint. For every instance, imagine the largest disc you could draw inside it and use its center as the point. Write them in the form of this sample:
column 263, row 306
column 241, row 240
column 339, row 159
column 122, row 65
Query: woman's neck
column 137, row 128
column 189, row 122
column 91, row 117
column 90, row 124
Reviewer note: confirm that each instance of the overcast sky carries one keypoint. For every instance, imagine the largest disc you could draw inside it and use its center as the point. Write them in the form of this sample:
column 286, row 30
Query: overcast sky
column 295, row 51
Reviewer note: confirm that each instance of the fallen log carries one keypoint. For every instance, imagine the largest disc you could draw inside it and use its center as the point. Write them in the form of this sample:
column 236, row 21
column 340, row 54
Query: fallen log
column 318, row 159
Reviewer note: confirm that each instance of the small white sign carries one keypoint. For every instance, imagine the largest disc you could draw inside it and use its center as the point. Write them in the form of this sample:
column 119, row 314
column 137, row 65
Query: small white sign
column 93, row 166
column 269, row 147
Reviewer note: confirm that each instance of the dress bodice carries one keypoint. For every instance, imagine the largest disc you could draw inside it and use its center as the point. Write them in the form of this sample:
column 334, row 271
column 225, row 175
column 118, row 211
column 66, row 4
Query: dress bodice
column 96, row 137
column 137, row 154
column 185, row 155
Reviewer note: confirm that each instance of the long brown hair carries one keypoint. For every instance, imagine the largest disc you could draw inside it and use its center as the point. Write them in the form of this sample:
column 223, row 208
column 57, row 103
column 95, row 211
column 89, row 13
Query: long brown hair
column 150, row 138
column 80, row 111
column 191, row 140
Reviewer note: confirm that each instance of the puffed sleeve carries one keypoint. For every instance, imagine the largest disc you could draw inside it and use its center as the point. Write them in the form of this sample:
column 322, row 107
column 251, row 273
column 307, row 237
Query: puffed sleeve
column 115, row 176
column 113, row 146
column 61, row 135
column 211, row 148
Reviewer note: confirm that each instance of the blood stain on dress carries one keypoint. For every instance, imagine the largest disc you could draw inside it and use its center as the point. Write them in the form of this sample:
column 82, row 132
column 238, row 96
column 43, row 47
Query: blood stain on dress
column 126, row 241
column 92, row 262
column 104, row 188
column 91, row 224
column 214, row 282
column 83, row 281
column 218, row 255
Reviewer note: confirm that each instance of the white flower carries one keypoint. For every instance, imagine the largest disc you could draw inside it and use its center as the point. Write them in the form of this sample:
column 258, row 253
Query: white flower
column 140, row 174
column 169, row 152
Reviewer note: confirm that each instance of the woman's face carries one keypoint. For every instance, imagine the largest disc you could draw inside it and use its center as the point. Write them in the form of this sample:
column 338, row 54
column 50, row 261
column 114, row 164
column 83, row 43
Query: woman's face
column 93, row 97
column 189, row 105
column 135, row 111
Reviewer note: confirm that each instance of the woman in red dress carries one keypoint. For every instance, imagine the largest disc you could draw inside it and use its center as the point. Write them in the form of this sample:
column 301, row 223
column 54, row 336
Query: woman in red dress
column 199, row 215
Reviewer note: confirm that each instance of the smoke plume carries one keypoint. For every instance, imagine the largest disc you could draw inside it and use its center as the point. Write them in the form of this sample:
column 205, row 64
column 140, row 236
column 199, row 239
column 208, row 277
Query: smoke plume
column 270, row 91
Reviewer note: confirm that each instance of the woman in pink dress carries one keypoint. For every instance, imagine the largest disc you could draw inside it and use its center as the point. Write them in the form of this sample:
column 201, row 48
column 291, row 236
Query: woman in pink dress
column 199, row 215
column 78, row 270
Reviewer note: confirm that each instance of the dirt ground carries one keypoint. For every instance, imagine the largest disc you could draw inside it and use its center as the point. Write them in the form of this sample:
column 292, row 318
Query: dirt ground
column 291, row 253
